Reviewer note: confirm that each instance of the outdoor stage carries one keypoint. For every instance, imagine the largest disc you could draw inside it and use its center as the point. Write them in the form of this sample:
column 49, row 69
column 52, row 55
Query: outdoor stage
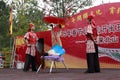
column 60, row 74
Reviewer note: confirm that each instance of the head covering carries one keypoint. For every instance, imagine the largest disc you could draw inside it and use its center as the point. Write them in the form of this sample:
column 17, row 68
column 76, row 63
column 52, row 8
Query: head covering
column 31, row 25
column 90, row 17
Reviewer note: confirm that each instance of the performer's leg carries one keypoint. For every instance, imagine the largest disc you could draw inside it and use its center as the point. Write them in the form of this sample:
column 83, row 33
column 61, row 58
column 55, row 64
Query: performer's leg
column 90, row 62
column 33, row 63
column 27, row 63
column 96, row 60
column 96, row 63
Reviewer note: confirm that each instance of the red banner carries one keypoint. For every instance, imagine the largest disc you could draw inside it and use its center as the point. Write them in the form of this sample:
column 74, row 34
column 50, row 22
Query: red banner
column 107, row 18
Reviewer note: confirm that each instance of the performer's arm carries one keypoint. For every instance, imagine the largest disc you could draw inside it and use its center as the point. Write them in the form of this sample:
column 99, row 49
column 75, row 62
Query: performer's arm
column 58, row 37
column 90, row 32
column 53, row 37
column 26, row 39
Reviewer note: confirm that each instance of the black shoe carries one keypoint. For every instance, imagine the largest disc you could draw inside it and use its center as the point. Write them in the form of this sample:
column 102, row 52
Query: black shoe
column 25, row 70
column 34, row 70
column 97, row 71
column 89, row 72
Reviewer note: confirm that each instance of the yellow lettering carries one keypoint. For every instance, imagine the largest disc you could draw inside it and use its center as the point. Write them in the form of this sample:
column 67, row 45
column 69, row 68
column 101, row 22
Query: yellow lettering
column 73, row 20
column 99, row 12
column 85, row 15
column 118, row 10
column 79, row 17
column 112, row 10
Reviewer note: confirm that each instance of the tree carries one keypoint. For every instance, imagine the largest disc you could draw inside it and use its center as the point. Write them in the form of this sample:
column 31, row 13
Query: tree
column 65, row 8
column 4, row 25
column 26, row 11
column 23, row 13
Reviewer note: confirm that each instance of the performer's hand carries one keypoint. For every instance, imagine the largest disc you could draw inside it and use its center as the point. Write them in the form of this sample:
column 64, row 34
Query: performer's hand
column 28, row 44
column 95, row 41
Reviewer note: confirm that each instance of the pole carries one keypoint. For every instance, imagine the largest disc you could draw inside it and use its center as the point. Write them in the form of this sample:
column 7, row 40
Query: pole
column 13, row 54
column 10, row 49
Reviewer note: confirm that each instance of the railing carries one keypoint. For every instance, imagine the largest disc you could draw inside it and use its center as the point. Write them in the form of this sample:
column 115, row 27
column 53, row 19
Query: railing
column 5, row 58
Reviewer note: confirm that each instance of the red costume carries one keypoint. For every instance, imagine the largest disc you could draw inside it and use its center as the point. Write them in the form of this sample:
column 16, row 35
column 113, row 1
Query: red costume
column 31, row 39
column 92, row 47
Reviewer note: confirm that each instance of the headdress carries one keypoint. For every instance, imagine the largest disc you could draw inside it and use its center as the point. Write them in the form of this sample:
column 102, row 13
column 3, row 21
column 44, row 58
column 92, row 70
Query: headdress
column 31, row 25
column 90, row 17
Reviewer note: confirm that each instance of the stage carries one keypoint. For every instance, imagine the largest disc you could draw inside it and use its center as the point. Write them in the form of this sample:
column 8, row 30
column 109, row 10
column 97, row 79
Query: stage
column 59, row 74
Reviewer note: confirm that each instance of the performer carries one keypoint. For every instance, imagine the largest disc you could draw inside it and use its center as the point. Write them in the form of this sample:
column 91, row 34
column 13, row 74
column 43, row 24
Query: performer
column 92, row 47
column 57, row 48
column 30, row 39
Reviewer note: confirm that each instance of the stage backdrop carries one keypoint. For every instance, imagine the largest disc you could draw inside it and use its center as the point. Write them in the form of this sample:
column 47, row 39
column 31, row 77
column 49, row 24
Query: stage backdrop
column 107, row 18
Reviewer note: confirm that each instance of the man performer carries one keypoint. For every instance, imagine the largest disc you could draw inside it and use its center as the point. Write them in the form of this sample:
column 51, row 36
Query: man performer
column 92, row 47
column 30, row 39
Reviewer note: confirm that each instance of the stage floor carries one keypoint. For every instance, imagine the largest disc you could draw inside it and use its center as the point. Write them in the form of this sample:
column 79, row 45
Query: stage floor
column 59, row 74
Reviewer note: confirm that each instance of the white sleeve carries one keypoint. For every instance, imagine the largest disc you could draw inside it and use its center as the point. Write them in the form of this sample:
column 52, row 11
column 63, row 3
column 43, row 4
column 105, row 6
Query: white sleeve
column 89, row 29
column 26, row 35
